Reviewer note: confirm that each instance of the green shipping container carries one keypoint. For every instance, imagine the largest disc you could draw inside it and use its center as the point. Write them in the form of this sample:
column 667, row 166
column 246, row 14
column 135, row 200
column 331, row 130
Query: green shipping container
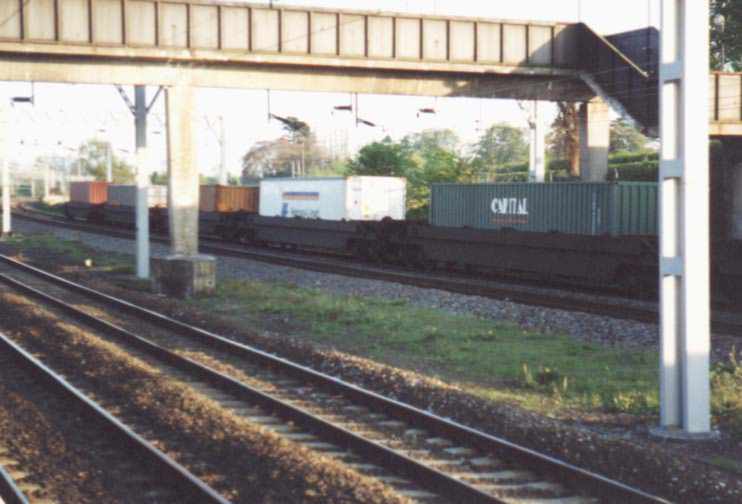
column 619, row 208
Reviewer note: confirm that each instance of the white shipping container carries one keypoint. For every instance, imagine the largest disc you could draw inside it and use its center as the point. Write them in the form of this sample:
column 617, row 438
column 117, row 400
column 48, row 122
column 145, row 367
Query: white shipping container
column 334, row 198
column 126, row 195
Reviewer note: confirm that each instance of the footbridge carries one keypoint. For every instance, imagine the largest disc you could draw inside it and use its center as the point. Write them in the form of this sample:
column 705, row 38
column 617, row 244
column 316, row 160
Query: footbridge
column 219, row 44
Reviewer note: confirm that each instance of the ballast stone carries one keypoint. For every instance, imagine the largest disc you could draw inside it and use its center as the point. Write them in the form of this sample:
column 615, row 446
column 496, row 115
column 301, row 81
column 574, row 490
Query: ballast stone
column 184, row 276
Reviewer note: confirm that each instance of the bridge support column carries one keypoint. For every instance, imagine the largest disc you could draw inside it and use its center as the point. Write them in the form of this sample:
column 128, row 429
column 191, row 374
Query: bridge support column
column 184, row 273
column 595, row 140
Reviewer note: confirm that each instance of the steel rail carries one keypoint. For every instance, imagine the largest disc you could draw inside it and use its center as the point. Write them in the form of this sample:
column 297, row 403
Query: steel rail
column 459, row 286
column 428, row 477
column 184, row 482
column 573, row 476
column 9, row 491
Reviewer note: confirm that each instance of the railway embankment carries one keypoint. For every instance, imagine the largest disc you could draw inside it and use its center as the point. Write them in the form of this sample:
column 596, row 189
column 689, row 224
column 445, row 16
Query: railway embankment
column 582, row 398
column 245, row 463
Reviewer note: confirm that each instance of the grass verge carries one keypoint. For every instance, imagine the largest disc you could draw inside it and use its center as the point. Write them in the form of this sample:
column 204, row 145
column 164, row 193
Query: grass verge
column 45, row 246
column 544, row 372
column 549, row 373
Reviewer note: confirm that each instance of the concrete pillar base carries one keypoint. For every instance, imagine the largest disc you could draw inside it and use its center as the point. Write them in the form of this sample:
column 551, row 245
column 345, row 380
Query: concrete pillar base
column 184, row 276
column 677, row 434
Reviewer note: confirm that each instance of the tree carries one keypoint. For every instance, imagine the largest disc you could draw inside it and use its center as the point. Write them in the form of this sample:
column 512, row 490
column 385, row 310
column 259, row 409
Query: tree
column 445, row 139
column 385, row 158
column 563, row 142
column 92, row 159
column 626, row 138
column 423, row 158
column 271, row 158
column 158, row 178
column 501, row 144
column 726, row 35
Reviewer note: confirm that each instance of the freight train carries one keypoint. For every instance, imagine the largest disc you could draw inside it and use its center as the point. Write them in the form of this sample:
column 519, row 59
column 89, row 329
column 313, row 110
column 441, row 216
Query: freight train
column 596, row 235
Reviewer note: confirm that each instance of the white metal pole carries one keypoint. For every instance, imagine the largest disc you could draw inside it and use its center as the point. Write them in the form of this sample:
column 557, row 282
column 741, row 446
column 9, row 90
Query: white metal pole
column 6, row 196
column 684, row 219
column 142, row 209
column 5, row 176
column 109, row 164
column 142, row 212
column 537, row 161
column 223, row 178
column 47, row 181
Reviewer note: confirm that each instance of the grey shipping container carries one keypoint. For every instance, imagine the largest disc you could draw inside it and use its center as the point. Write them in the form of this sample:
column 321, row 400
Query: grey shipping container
column 126, row 195
column 622, row 208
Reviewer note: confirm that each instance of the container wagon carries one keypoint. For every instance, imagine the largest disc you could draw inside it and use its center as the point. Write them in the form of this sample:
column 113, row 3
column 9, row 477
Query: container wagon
column 122, row 202
column 87, row 200
column 220, row 205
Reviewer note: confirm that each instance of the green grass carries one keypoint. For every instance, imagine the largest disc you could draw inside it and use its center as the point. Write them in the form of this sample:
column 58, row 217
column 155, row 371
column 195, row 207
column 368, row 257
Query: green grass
column 727, row 464
column 726, row 401
column 42, row 206
column 551, row 374
column 46, row 247
column 498, row 361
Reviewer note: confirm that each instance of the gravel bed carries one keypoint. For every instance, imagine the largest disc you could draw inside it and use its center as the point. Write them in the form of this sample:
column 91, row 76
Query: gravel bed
column 581, row 326
column 586, row 327
column 241, row 460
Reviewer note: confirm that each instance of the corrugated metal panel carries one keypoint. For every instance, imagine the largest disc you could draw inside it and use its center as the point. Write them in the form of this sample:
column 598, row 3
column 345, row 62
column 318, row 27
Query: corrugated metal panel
column 215, row 198
column 94, row 193
column 579, row 208
column 635, row 209
column 126, row 195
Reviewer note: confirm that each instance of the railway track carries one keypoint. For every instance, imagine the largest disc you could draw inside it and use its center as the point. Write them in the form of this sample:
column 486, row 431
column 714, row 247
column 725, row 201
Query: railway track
column 148, row 474
column 10, row 493
column 724, row 321
column 422, row 456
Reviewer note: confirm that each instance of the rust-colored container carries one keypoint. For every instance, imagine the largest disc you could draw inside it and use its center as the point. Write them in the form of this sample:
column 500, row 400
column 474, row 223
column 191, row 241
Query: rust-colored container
column 93, row 193
column 226, row 199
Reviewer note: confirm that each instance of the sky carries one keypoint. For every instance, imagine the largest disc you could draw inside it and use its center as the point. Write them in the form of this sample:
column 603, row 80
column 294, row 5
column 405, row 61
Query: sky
column 64, row 116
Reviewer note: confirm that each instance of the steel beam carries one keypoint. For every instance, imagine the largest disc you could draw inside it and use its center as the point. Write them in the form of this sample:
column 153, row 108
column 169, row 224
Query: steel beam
column 684, row 218
column 414, row 80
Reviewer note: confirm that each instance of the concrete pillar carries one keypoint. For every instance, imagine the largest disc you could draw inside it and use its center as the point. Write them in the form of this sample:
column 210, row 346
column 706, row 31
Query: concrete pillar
column 537, row 157
column 184, row 273
column 183, row 188
column 595, row 140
